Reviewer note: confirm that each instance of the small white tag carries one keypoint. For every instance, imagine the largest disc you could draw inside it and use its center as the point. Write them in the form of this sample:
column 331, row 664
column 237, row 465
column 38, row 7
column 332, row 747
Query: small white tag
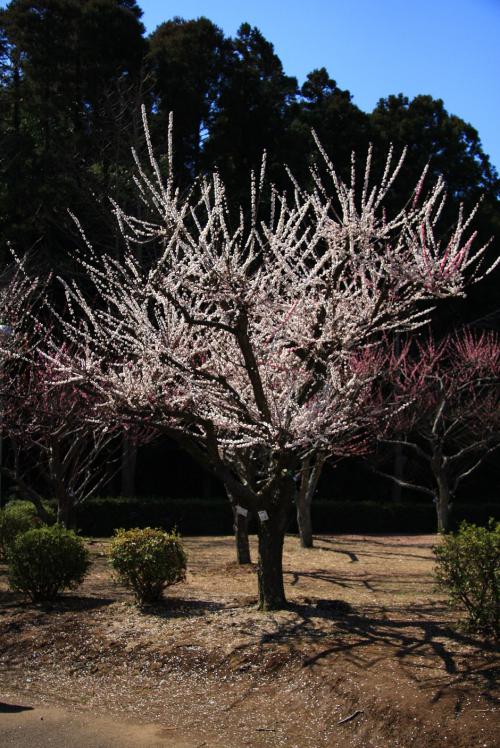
column 263, row 515
column 241, row 510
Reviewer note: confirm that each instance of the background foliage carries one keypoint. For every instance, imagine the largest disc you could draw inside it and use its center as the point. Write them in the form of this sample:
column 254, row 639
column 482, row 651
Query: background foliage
column 72, row 76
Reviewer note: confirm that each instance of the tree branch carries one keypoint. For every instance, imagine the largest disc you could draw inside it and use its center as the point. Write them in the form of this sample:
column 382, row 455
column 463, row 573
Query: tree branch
column 405, row 484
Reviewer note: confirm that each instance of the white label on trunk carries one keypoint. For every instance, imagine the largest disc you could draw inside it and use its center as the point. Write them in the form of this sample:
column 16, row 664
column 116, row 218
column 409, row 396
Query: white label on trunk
column 241, row 510
column 263, row 515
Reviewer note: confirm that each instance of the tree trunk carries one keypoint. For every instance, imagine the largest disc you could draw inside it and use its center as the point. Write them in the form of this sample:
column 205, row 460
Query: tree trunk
column 241, row 538
column 129, row 462
column 304, row 521
column 240, row 526
column 309, row 476
column 443, row 495
column 443, row 504
column 270, row 570
column 65, row 512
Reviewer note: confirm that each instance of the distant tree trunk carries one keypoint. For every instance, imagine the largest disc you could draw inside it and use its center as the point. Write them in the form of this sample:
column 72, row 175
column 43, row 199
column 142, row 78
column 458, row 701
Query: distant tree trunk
column 129, row 463
column 443, row 493
column 443, row 506
column 58, row 480
column 66, row 512
column 240, row 526
column 241, row 538
column 310, row 472
column 304, row 522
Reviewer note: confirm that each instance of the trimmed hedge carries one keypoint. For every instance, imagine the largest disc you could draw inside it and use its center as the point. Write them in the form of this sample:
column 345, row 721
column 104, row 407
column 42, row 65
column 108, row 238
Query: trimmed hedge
column 100, row 517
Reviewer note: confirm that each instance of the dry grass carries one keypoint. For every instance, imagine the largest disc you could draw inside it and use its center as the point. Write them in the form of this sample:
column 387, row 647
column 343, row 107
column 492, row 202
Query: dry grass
column 365, row 633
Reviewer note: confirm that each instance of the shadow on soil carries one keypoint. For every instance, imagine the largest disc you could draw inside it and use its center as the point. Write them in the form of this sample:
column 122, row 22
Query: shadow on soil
column 66, row 602
column 170, row 607
column 434, row 655
column 13, row 708
column 177, row 607
column 354, row 557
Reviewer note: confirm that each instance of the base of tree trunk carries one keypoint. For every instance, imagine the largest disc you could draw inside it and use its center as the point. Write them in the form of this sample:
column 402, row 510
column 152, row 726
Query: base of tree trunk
column 270, row 570
column 443, row 515
column 305, row 525
column 65, row 517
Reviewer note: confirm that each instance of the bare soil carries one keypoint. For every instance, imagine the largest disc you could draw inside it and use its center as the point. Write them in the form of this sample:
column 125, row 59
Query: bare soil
column 367, row 655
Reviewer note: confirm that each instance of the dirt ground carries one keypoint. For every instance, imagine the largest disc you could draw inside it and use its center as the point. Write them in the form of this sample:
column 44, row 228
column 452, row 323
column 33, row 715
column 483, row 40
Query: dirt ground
column 368, row 655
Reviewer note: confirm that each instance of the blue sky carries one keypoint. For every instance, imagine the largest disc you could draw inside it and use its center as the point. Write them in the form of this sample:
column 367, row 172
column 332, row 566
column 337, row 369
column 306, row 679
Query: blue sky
column 446, row 48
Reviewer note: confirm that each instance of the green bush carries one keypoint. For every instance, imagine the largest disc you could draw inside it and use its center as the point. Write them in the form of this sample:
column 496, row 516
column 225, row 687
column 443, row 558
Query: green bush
column 46, row 560
column 147, row 561
column 468, row 569
column 15, row 518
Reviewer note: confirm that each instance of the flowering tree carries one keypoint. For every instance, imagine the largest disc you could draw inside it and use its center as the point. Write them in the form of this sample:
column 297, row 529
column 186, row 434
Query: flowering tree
column 236, row 339
column 452, row 419
column 19, row 329
column 53, row 438
column 368, row 364
column 19, row 294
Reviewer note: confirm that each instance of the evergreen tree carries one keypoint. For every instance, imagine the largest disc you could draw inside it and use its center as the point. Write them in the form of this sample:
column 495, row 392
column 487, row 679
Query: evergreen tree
column 59, row 59
column 328, row 110
column 452, row 148
column 187, row 60
column 251, row 111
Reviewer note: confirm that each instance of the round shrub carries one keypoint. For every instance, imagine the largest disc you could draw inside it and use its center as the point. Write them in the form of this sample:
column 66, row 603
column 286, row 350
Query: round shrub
column 46, row 560
column 468, row 569
column 17, row 517
column 147, row 561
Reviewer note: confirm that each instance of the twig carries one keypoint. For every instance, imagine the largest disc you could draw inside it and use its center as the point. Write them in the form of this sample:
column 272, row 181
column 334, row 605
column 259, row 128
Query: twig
column 350, row 717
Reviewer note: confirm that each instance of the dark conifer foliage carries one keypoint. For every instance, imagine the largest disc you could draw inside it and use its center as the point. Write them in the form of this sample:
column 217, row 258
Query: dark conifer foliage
column 188, row 61
column 251, row 110
column 73, row 74
column 328, row 110
column 62, row 60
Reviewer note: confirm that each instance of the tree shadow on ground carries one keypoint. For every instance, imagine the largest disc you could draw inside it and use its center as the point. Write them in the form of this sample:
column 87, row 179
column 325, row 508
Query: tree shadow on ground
column 433, row 654
column 65, row 602
column 383, row 554
column 178, row 607
column 13, row 708
column 369, row 581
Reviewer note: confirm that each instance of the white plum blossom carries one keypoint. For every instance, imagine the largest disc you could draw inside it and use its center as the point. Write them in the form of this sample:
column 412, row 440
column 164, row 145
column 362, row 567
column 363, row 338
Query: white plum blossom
column 236, row 333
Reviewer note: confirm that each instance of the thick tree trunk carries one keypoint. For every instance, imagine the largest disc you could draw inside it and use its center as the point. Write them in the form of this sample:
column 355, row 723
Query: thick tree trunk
column 241, row 538
column 270, row 570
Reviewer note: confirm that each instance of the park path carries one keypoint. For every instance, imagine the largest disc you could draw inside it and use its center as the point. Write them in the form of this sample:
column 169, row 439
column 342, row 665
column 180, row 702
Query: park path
column 24, row 723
